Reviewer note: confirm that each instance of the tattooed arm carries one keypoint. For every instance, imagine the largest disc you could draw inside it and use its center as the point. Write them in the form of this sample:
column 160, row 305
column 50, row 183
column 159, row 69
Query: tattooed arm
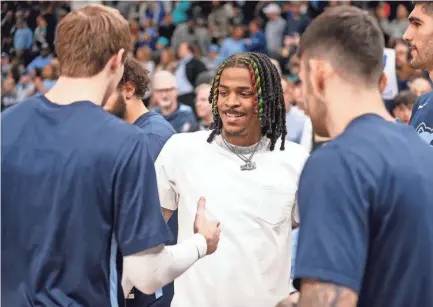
column 167, row 213
column 315, row 293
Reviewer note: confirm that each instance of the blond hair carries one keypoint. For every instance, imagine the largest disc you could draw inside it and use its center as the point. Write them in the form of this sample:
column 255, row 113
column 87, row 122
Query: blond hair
column 87, row 38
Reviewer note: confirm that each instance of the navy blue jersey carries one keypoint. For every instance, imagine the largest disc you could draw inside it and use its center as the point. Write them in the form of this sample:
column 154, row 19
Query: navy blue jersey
column 422, row 117
column 183, row 119
column 159, row 131
column 366, row 208
column 78, row 186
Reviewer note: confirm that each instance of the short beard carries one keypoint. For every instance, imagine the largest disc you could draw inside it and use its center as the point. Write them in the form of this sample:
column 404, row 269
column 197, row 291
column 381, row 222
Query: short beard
column 119, row 108
column 234, row 134
column 417, row 64
column 425, row 61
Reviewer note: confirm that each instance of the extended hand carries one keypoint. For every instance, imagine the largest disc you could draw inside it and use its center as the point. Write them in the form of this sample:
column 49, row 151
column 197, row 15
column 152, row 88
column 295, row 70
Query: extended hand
column 209, row 229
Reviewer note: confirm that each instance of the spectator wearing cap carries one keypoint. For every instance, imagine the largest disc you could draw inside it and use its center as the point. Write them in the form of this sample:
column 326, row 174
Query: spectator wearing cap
column 274, row 30
column 162, row 42
column 403, row 104
column 257, row 40
column 42, row 60
column 165, row 97
column 187, row 71
column 232, row 45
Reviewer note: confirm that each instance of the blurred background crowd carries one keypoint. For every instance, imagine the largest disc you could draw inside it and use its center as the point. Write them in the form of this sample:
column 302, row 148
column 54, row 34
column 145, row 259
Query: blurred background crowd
column 181, row 44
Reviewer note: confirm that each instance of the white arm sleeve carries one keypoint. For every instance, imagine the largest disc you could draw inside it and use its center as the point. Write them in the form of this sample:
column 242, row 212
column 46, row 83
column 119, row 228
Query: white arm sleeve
column 153, row 268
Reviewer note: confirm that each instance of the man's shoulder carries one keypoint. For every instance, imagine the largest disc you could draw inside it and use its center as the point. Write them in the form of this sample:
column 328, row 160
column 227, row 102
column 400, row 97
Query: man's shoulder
column 184, row 109
column 154, row 118
column 187, row 141
column 422, row 116
column 293, row 153
column 21, row 109
column 155, row 124
column 182, row 145
column 191, row 138
column 424, row 98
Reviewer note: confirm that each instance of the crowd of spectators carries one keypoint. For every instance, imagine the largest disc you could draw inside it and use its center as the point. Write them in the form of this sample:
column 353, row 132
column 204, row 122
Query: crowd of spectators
column 190, row 39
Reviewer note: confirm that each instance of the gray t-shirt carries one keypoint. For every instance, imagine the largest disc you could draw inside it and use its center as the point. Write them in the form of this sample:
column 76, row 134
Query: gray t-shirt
column 274, row 32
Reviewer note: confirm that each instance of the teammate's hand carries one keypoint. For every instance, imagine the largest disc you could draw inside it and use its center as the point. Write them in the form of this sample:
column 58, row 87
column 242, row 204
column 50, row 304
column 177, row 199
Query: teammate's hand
column 209, row 229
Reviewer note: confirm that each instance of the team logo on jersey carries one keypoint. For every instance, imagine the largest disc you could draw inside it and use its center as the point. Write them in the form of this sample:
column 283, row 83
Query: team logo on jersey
column 422, row 105
column 426, row 133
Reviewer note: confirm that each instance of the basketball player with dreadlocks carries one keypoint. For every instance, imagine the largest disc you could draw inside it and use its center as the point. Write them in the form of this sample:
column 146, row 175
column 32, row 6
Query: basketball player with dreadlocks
column 248, row 175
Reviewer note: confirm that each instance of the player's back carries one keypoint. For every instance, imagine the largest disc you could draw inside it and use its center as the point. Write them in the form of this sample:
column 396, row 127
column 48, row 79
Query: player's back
column 395, row 172
column 58, row 169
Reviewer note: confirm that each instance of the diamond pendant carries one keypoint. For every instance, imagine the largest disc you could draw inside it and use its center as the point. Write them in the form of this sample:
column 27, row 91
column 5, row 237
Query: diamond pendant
column 249, row 166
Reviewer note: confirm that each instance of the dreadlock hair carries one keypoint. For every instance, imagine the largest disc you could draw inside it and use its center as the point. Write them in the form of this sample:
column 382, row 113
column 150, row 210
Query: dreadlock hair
column 268, row 102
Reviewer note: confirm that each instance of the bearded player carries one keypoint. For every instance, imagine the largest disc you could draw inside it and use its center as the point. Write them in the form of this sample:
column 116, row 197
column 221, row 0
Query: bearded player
column 249, row 176
column 366, row 198
column 419, row 35
column 126, row 103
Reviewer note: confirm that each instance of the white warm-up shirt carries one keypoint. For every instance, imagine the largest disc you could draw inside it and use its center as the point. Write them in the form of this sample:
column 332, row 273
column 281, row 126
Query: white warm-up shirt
column 251, row 266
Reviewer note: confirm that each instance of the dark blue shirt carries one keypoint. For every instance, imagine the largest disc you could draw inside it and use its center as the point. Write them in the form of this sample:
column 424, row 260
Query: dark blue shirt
column 366, row 208
column 157, row 129
column 183, row 119
column 78, row 184
column 422, row 117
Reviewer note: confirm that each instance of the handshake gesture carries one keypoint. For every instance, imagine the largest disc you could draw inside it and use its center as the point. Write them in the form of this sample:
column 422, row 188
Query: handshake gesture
column 209, row 229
